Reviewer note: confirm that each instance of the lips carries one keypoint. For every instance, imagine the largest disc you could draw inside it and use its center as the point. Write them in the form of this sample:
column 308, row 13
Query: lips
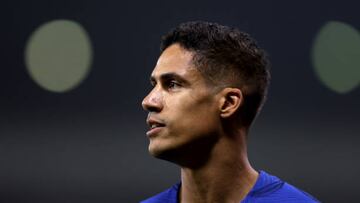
column 155, row 126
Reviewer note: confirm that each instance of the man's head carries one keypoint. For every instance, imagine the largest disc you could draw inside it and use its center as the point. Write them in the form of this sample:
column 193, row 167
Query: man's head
column 226, row 57
column 206, row 74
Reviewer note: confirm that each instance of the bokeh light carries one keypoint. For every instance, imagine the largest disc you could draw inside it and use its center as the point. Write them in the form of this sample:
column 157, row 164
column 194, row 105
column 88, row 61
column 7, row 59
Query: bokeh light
column 58, row 55
column 336, row 56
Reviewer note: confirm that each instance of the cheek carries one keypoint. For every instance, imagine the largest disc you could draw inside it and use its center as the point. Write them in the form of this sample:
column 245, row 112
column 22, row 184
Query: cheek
column 193, row 116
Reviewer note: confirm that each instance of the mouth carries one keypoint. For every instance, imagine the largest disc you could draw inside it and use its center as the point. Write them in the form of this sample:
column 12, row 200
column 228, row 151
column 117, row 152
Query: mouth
column 155, row 127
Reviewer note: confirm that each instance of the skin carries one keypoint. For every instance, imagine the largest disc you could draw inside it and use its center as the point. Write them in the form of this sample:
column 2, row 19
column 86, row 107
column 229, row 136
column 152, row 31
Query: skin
column 199, row 130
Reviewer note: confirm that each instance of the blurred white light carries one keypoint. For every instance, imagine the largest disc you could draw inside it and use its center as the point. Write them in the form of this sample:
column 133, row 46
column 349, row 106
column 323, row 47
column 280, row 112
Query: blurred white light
column 336, row 56
column 58, row 55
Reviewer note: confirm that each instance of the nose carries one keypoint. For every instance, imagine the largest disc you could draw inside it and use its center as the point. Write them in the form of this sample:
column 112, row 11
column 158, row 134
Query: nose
column 153, row 101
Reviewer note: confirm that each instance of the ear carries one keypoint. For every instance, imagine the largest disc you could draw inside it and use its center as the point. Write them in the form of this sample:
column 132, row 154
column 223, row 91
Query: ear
column 230, row 101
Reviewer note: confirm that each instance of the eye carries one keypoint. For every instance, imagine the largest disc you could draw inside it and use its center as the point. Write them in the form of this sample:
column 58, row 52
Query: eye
column 152, row 83
column 172, row 84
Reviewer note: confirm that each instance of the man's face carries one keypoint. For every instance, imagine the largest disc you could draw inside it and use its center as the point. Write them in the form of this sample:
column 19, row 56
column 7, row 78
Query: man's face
column 183, row 108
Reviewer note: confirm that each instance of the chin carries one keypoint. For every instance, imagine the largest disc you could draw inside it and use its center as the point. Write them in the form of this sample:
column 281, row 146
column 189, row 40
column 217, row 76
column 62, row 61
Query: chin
column 161, row 151
column 188, row 153
column 157, row 150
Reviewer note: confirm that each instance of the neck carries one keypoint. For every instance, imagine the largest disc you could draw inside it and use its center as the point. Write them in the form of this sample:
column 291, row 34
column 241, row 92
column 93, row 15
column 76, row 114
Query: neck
column 226, row 177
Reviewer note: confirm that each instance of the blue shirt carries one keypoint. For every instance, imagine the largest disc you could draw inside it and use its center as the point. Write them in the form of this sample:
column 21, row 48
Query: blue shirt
column 267, row 189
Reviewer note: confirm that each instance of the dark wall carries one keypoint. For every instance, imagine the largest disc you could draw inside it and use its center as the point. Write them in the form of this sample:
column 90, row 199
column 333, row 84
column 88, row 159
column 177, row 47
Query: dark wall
column 89, row 144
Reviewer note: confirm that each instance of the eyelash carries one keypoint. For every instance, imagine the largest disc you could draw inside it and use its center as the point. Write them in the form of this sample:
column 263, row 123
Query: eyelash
column 172, row 84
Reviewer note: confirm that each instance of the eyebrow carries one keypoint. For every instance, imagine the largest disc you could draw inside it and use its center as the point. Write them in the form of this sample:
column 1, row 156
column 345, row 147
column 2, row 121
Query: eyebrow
column 169, row 76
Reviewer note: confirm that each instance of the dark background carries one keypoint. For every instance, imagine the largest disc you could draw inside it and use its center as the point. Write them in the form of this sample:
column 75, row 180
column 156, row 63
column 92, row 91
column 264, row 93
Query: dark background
column 89, row 144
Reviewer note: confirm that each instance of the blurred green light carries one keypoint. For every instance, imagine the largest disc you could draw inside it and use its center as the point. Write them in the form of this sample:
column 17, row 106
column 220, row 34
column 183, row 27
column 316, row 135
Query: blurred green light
column 58, row 55
column 336, row 56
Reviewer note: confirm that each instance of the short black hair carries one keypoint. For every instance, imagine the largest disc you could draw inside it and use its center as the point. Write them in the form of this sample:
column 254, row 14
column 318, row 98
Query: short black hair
column 226, row 56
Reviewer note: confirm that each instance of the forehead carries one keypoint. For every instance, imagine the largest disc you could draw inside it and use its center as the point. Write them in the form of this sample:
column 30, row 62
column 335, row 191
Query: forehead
column 174, row 59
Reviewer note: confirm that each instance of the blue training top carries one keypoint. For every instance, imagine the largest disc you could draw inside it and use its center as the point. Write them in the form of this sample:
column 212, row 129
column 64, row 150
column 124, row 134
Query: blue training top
column 267, row 189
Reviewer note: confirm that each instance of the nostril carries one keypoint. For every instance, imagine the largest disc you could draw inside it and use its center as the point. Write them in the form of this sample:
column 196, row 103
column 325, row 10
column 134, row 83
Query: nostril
column 152, row 109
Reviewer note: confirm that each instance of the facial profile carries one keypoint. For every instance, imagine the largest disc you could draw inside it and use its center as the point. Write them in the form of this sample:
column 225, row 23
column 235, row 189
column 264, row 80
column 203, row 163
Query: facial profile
column 182, row 108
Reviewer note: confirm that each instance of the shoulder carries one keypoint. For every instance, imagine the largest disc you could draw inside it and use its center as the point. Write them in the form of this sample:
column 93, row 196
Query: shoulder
column 169, row 196
column 271, row 189
column 289, row 193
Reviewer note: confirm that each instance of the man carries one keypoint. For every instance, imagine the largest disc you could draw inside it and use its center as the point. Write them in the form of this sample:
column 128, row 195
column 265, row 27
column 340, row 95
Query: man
column 209, row 84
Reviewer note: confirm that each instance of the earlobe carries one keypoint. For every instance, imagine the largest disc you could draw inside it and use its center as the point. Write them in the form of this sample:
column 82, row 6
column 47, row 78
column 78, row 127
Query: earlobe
column 231, row 100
